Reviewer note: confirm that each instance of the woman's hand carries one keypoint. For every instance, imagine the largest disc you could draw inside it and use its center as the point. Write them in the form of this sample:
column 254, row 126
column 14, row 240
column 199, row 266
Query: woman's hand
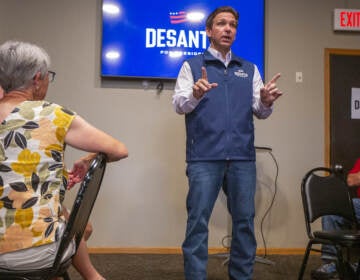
column 80, row 167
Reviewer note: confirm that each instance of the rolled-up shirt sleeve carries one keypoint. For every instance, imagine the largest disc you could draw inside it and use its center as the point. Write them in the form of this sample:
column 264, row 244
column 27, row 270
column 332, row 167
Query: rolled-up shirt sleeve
column 260, row 110
column 183, row 100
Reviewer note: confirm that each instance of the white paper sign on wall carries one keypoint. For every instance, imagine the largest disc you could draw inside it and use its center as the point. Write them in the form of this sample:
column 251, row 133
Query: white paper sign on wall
column 355, row 103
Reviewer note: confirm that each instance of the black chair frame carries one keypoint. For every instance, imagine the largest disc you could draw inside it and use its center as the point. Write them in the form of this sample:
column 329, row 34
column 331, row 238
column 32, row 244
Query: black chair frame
column 328, row 194
column 79, row 216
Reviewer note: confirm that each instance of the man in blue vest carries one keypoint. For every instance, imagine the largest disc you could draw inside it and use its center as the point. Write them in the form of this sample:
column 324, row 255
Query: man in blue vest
column 219, row 92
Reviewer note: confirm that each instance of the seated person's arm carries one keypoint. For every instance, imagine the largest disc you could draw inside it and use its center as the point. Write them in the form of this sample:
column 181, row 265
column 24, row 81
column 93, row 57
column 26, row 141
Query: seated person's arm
column 353, row 179
column 84, row 136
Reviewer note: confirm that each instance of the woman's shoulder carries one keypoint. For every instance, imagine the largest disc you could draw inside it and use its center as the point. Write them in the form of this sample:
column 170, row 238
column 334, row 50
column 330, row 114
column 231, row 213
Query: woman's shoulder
column 36, row 111
column 46, row 106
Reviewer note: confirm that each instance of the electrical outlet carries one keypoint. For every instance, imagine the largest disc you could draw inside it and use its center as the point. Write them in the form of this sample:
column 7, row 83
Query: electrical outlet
column 299, row 77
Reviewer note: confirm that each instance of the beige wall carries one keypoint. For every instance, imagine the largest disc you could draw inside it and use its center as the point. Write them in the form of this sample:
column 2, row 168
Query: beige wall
column 142, row 201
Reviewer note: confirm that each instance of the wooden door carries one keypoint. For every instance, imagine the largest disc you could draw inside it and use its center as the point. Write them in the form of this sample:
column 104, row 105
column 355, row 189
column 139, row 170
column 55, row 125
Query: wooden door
column 342, row 124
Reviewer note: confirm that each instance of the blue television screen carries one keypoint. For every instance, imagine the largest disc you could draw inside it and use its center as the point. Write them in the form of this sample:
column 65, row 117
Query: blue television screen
column 150, row 39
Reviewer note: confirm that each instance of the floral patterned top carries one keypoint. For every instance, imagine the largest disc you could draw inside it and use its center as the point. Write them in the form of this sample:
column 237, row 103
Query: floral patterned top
column 32, row 174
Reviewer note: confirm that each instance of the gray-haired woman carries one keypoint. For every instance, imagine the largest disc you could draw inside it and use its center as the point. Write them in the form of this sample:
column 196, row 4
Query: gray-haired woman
column 33, row 178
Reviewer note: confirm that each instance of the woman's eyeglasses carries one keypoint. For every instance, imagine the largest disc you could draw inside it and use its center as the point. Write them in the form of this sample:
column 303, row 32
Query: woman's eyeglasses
column 51, row 76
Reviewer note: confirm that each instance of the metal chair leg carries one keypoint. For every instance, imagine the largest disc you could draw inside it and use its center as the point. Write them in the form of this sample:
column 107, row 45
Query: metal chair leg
column 341, row 265
column 304, row 262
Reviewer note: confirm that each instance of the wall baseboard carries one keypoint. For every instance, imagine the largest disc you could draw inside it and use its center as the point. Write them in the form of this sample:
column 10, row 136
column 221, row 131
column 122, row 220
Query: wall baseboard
column 177, row 250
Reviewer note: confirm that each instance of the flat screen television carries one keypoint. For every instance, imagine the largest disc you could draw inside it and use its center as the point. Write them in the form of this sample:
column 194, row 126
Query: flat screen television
column 150, row 39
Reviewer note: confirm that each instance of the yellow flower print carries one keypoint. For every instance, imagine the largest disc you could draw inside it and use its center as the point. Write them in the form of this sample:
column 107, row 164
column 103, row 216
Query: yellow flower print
column 24, row 217
column 60, row 134
column 43, row 242
column 27, row 163
column 53, row 147
column 62, row 119
column 15, row 238
column 35, row 232
column 45, row 133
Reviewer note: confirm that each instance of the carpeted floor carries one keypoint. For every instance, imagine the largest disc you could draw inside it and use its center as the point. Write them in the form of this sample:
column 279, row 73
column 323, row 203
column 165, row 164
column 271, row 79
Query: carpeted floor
column 170, row 267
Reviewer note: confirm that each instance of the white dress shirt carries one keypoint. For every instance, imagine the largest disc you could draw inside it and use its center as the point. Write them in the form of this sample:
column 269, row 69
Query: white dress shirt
column 184, row 102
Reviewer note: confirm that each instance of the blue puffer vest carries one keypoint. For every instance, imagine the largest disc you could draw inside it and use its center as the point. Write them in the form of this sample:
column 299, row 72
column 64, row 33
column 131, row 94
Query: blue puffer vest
column 221, row 127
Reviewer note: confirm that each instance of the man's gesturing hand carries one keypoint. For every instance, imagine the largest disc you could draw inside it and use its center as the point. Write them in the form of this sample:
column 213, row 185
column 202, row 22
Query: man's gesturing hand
column 202, row 85
column 269, row 93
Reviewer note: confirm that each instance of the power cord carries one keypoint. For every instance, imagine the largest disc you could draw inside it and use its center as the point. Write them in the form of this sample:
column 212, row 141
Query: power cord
column 269, row 150
column 271, row 204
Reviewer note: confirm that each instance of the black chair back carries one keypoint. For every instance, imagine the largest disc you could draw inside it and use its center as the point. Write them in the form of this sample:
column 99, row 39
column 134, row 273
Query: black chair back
column 325, row 192
column 82, row 206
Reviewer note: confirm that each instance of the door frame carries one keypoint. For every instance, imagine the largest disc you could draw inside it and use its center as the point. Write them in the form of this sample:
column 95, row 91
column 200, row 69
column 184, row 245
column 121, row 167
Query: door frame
column 327, row 54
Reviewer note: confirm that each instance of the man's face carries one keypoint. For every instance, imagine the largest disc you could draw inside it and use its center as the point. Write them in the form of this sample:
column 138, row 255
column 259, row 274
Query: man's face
column 223, row 31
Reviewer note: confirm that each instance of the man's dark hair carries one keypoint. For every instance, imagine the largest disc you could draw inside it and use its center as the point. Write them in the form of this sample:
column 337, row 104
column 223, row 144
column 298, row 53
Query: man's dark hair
column 223, row 9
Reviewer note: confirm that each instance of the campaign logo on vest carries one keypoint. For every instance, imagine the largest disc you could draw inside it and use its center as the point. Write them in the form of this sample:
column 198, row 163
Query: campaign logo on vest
column 241, row 73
